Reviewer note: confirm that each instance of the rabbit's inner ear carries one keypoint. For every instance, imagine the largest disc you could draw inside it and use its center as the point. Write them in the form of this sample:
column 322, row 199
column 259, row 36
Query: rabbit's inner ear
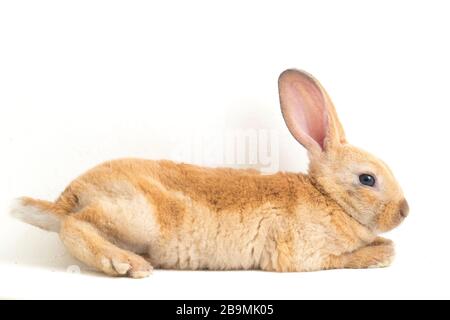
column 304, row 109
column 308, row 111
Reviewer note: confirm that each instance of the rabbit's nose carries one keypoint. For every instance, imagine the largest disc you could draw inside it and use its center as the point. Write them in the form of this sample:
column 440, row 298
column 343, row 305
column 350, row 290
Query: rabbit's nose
column 404, row 208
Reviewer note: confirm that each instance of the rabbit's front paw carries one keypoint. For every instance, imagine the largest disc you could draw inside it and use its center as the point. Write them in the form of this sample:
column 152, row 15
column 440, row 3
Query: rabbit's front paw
column 381, row 241
column 379, row 254
column 382, row 256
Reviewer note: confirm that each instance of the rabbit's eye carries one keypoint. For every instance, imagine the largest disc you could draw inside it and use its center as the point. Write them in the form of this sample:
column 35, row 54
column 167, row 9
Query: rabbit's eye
column 367, row 180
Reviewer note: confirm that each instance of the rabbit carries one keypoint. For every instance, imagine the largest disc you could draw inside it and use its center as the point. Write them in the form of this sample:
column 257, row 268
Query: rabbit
column 126, row 217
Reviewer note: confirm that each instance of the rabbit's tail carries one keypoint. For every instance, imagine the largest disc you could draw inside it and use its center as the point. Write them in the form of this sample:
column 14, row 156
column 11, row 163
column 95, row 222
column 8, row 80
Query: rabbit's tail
column 43, row 214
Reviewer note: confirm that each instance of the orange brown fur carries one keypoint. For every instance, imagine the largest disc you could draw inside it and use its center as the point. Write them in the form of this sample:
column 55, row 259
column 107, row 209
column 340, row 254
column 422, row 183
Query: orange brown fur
column 181, row 216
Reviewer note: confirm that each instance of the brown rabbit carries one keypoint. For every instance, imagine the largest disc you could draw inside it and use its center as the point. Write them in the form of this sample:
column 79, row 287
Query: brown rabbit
column 126, row 216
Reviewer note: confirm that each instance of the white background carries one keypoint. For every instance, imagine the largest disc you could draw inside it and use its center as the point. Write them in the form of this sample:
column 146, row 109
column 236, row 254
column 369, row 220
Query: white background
column 82, row 82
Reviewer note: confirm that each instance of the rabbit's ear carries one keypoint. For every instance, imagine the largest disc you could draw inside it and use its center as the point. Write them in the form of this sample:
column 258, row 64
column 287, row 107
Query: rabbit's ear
column 309, row 112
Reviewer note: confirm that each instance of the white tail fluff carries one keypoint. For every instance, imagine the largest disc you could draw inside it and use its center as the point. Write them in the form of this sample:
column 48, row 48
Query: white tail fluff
column 34, row 215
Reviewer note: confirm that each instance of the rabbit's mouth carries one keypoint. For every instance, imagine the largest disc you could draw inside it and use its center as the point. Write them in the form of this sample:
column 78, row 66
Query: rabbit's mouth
column 392, row 216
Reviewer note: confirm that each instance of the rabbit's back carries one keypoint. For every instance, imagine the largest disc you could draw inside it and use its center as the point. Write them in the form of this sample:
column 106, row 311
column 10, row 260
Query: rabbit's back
column 185, row 216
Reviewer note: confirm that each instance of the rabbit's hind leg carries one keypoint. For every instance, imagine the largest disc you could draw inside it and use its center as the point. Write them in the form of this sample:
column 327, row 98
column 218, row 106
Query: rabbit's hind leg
column 86, row 242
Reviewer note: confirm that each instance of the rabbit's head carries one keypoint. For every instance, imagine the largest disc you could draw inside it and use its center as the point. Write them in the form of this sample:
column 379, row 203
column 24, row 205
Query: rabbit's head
column 361, row 184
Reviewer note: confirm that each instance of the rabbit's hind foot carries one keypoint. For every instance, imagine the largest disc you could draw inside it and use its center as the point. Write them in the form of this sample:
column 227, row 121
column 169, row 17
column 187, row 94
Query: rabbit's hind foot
column 87, row 244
